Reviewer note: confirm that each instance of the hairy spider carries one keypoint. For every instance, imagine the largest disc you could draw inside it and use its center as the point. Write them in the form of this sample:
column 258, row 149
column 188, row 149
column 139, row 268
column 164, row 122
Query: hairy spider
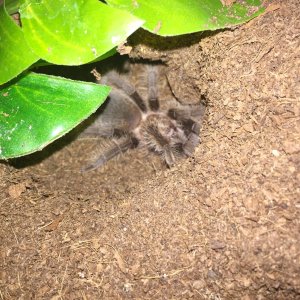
column 171, row 132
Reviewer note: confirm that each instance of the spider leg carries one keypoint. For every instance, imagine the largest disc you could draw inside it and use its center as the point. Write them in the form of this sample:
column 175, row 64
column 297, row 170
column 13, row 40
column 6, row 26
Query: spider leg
column 186, row 115
column 190, row 125
column 190, row 117
column 162, row 144
column 117, row 149
column 188, row 111
column 191, row 143
column 114, row 78
column 152, row 88
column 198, row 112
column 169, row 157
column 191, row 130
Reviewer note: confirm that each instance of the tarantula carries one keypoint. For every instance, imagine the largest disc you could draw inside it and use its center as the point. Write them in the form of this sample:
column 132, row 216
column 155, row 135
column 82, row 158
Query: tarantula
column 172, row 132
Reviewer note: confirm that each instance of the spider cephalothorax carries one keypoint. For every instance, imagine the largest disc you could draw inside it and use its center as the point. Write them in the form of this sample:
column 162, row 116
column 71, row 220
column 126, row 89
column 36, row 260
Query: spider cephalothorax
column 172, row 131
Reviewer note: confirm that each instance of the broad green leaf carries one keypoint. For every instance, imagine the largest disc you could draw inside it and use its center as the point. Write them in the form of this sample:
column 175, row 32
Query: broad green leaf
column 42, row 63
column 12, row 6
column 174, row 17
column 15, row 55
column 74, row 32
column 38, row 109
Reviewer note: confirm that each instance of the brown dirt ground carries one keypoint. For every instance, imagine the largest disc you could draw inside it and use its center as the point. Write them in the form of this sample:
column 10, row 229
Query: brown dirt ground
column 221, row 225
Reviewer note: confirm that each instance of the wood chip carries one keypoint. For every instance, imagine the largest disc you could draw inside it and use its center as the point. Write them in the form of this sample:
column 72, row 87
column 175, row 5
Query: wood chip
column 120, row 261
column 123, row 48
column 16, row 190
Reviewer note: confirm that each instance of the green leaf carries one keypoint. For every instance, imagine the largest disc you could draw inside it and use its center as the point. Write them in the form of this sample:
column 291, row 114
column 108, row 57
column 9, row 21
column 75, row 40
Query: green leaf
column 174, row 17
column 12, row 6
column 74, row 32
column 15, row 55
column 38, row 109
